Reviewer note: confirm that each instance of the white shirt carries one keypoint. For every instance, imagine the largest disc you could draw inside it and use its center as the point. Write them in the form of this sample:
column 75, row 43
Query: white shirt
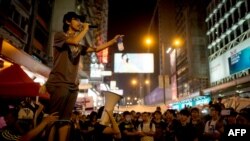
column 146, row 128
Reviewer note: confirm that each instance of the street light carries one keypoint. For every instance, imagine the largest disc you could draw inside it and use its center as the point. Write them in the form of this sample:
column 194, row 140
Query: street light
column 134, row 82
column 148, row 41
column 147, row 82
column 177, row 42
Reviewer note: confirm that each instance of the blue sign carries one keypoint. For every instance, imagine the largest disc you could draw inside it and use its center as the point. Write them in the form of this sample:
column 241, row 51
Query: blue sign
column 239, row 61
column 200, row 100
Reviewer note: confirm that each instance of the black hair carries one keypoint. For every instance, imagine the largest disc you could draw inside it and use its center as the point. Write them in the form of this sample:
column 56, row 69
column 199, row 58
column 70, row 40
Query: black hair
column 92, row 115
column 159, row 112
column 185, row 112
column 126, row 113
column 125, row 54
column 69, row 16
column 173, row 112
column 99, row 112
column 195, row 109
column 216, row 107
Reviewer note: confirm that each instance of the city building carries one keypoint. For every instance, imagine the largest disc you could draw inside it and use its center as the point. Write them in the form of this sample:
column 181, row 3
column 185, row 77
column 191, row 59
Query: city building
column 24, row 34
column 188, row 60
column 228, row 33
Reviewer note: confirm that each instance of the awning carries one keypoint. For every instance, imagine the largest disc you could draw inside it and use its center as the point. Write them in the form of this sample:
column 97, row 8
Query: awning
column 15, row 83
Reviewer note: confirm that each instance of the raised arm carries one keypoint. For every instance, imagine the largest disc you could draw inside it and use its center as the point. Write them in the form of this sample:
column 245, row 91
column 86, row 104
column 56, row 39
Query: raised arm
column 39, row 128
column 105, row 45
column 75, row 39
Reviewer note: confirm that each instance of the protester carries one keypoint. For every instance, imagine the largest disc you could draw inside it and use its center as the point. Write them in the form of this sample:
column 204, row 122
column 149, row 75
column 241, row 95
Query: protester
column 127, row 128
column 63, row 82
column 146, row 128
column 214, row 127
column 106, row 132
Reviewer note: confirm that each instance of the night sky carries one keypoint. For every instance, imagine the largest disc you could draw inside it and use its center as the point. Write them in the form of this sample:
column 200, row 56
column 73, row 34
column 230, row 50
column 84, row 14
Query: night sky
column 132, row 19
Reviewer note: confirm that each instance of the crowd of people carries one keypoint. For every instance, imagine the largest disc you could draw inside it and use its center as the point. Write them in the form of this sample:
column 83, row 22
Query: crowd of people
column 27, row 121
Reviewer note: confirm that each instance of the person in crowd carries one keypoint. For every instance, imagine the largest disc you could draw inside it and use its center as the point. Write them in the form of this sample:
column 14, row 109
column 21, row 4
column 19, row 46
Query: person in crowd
column 171, row 124
column 127, row 128
column 138, row 119
column 106, row 132
column 214, row 128
column 16, row 129
column 158, row 108
column 160, row 126
column 219, row 102
column 63, row 82
column 243, row 117
column 75, row 118
column 146, row 128
column 88, row 127
column 119, row 118
column 197, row 123
column 184, row 130
column 230, row 116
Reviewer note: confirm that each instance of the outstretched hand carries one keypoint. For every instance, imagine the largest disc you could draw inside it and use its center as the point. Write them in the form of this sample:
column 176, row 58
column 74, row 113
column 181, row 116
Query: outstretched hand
column 115, row 39
column 51, row 118
column 42, row 89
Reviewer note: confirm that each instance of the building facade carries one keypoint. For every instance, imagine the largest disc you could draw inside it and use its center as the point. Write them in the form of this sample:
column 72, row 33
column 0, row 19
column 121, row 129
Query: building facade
column 191, row 56
column 228, row 23
column 26, row 26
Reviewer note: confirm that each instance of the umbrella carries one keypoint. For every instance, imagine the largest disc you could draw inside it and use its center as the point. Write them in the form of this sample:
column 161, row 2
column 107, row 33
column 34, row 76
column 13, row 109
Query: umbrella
column 15, row 83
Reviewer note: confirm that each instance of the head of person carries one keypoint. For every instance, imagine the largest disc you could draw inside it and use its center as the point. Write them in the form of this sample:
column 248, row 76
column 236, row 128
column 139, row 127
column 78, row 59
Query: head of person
column 93, row 116
column 99, row 112
column 215, row 110
column 195, row 113
column 184, row 115
column 158, row 108
column 231, row 117
column 170, row 114
column 157, row 115
column 133, row 114
column 145, row 116
column 243, row 117
column 125, row 58
column 127, row 116
column 11, row 117
column 219, row 99
column 73, row 21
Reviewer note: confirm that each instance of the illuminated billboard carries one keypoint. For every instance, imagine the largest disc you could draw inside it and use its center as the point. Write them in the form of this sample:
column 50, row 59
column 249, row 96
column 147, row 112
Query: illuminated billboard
column 233, row 61
column 133, row 63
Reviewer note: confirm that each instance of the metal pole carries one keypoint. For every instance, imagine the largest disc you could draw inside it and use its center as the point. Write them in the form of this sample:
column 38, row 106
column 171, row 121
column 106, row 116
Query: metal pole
column 163, row 72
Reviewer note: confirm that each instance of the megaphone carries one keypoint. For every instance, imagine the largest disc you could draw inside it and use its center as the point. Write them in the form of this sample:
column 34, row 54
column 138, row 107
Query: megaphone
column 111, row 99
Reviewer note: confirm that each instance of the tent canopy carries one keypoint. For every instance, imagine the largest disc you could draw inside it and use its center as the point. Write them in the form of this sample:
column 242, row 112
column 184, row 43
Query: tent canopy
column 140, row 108
column 15, row 83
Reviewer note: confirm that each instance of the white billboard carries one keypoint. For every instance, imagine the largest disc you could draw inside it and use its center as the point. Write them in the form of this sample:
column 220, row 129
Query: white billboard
column 234, row 60
column 134, row 63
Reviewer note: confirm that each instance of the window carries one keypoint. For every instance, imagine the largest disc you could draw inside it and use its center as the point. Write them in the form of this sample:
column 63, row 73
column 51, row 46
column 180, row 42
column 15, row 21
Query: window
column 230, row 21
column 228, row 5
column 245, row 26
column 233, row 2
column 236, row 15
column 242, row 10
column 16, row 17
column 224, row 24
column 24, row 24
column 238, row 32
column 247, row 5
column 226, row 40
column 222, row 9
column 232, row 36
